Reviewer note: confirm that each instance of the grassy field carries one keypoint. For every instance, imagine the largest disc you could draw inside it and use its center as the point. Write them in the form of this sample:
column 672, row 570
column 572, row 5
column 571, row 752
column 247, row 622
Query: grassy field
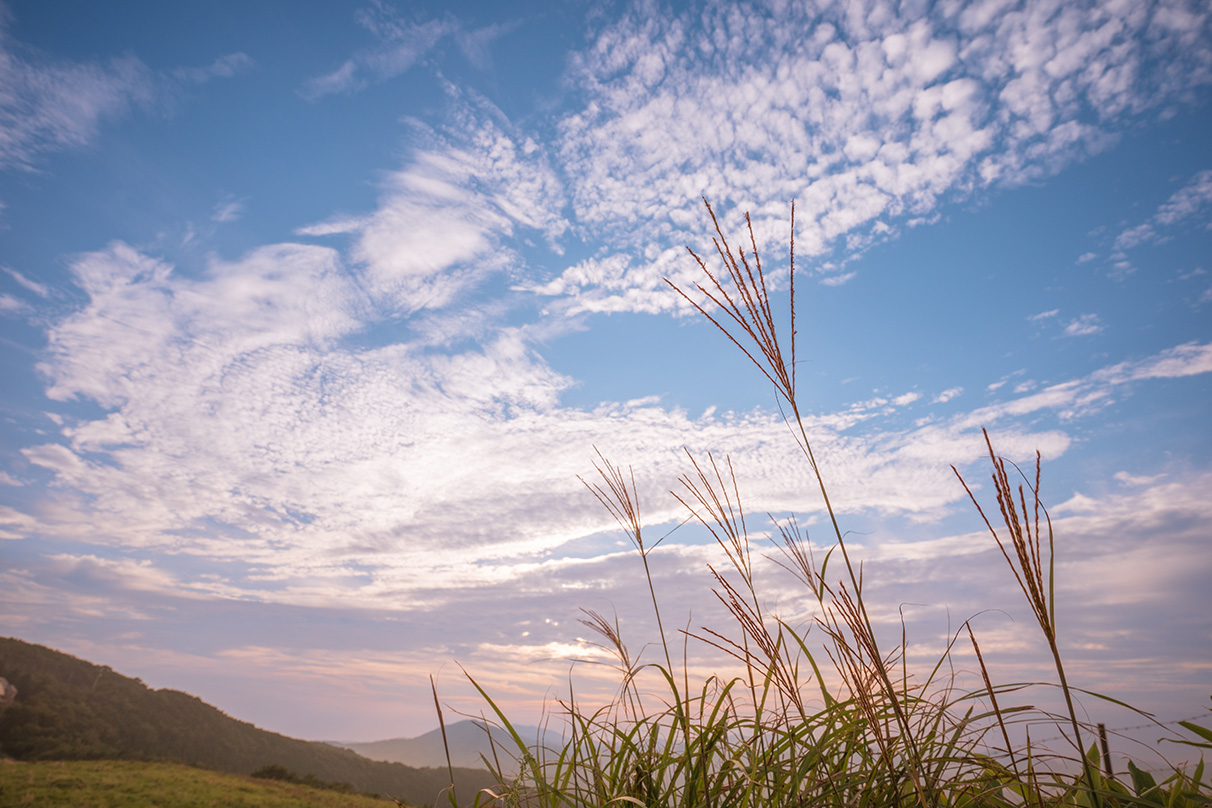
column 130, row 784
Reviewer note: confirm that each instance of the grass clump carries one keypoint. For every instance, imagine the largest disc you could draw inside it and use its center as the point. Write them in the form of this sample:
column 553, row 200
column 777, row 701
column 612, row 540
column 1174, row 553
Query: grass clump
column 842, row 724
column 282, row 774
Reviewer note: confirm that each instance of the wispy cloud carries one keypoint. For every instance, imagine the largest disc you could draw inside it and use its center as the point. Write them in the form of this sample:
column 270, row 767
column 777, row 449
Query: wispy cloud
column 1083, row 326
column 37, row 288
column 12, row 305
column 224, row 67
column 402, row 44
column 1193, row 200
column 441, row 221
column 1182, row 360
column 49, row 104
column 1190, row 200
column 228, row 210
column 334, row 227
column 343, row 79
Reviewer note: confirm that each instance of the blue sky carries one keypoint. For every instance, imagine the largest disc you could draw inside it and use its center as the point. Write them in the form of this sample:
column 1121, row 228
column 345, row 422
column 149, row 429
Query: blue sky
column 312, row 315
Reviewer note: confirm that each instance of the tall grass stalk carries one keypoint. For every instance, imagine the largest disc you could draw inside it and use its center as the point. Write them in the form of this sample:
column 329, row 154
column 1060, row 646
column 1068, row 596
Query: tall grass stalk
column 743, row 313
column 1023, row 532
column 845, row 725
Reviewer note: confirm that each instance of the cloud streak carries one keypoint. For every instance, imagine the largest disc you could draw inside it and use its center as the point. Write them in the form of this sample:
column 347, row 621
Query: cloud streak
column 48, row 105
column 402, row 44
column 1191, row 201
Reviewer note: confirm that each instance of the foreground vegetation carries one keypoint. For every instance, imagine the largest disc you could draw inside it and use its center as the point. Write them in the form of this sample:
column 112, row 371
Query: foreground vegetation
column 131, row 784
column 846, row 723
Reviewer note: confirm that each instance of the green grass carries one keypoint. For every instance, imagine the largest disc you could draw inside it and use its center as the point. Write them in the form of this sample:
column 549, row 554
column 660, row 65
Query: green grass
column 841, row 721
column 130, row 784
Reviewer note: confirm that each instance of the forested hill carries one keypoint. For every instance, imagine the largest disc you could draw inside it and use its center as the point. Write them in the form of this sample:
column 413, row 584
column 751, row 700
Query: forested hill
column 69, row 709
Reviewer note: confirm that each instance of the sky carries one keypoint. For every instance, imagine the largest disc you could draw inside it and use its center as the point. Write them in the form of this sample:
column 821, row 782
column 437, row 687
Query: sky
column 314, row 315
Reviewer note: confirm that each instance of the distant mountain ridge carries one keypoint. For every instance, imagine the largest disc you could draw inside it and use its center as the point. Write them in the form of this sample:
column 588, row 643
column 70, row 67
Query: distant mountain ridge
column 70, row 709
column 469, row 746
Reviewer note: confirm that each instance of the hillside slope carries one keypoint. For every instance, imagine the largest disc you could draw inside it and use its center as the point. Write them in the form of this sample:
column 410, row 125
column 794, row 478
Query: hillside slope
column 70, row 709
column 134, row 784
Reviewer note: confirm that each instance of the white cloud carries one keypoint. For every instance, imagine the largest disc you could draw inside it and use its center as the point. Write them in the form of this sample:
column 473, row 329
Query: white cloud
column 244, row 423
column 37, row 288
column 1192, row 200
column 837, row 280
column 224, row 67
column 1135, row 236
column 1083, row 326
column 334, row 227
column 1189, row 359
column 284, row 295
column 51, row 104
column 1188, row 201
column 401, row 45
column 1113, row 589
column 441, row 223
column 1044, row 315
column 1136, row 480
column 343, row 79
column 11, row 305
column 120, row 573
column 235, row 397
column 430, row 238
column 228, row 210
column 474, row 44
column 947, row 395
column 867, row 124
column 47, row 106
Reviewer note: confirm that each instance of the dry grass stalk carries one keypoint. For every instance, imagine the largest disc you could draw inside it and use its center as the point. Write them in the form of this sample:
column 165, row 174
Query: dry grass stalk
column 1022, row 523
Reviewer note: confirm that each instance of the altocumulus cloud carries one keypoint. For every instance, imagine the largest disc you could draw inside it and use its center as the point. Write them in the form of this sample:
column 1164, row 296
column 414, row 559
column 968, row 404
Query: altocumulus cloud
column 866, row 113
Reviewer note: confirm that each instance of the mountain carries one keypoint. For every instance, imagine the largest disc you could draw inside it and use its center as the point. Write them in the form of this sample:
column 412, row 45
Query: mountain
column 468, row 741
column 69, row 709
